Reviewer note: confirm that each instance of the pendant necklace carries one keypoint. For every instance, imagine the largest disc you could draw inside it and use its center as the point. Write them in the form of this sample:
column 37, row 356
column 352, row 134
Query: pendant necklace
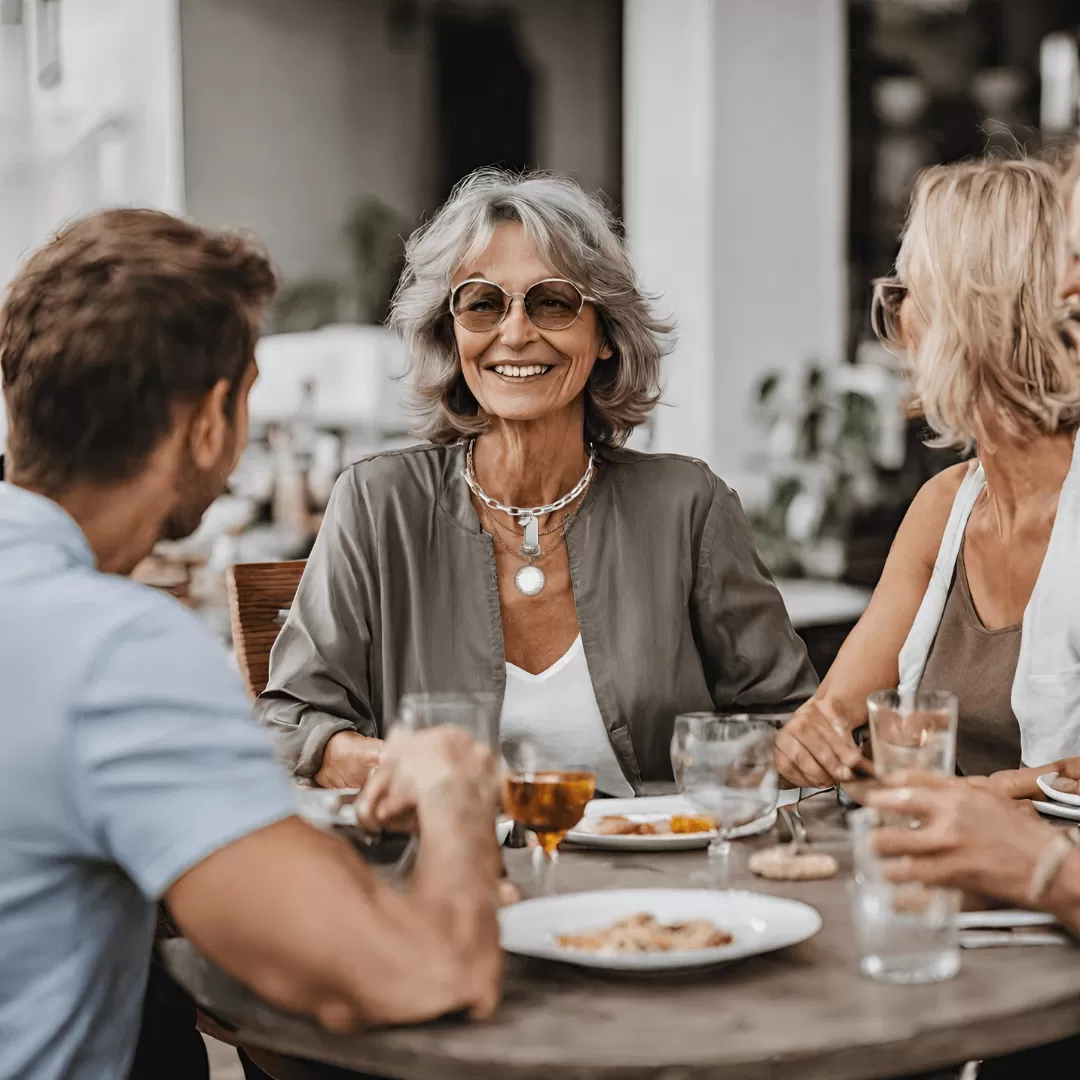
column 530, row 579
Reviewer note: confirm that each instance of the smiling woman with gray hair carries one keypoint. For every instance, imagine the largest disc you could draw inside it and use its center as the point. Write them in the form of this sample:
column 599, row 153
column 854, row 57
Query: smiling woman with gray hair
column 597, row 591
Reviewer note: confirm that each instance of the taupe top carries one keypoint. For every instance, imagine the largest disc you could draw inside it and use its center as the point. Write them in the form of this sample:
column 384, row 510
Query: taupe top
column 400, row 595
column 978, row 665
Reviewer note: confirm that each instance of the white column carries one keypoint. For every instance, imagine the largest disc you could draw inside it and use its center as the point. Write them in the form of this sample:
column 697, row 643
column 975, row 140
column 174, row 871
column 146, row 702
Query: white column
column 735, row 195
column 669, row 198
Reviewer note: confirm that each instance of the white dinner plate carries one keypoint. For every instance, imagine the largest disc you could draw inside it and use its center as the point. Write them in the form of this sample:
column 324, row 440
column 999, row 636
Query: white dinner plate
column 1065, row 797
column 1058, row 810
column 652, row 808
column 758, row 922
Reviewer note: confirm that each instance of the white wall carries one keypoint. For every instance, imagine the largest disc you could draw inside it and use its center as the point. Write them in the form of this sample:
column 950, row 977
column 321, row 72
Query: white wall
column 295, row 108
column 110, row 133
column 735, row 181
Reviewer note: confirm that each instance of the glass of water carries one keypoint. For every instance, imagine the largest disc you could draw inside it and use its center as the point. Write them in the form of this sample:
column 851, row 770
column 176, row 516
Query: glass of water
column 906, row 931
column 916, row 731
column 729, row 773
column 478, row 714
column 684, row 724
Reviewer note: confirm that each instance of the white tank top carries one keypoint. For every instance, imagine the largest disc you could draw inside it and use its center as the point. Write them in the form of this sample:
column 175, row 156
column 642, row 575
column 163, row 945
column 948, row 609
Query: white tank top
column 557, row 711
column 1046, row 687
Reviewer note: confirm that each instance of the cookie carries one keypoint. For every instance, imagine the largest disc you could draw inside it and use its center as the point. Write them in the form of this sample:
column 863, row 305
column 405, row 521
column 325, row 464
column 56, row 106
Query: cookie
column 782, row 864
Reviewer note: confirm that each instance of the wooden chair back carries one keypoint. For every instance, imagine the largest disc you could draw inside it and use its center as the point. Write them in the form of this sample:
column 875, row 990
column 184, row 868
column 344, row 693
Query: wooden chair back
column 260, row 595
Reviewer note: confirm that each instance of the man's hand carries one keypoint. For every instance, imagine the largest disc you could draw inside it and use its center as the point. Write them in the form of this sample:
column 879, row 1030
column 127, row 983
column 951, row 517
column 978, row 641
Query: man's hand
column 428, row 771
column 816, row 747
column 348, row 760
column 969, row 837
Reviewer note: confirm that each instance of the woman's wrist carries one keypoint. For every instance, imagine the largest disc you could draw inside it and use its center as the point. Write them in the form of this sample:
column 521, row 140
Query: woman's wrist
column 1062, row 896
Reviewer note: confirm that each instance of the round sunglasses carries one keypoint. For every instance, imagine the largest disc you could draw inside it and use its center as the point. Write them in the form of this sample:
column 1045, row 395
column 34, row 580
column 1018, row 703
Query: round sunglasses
column 551, row 304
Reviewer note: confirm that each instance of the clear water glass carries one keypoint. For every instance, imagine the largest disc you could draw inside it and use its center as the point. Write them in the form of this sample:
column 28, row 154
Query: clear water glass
column 729, row 773
column 476, row 713
column 916, row 731
column 906, row 932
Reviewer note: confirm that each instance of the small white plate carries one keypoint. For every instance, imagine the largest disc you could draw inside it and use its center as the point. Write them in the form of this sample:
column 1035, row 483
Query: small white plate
column 1065, row 797
column 1058, row 810
column 652, row 809
column 759, row 923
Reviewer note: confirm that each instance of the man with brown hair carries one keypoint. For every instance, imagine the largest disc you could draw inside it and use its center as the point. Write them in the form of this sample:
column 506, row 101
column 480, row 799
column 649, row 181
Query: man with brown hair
column 131, row 769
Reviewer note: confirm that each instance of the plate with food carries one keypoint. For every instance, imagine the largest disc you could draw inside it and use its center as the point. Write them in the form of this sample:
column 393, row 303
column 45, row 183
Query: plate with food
column 656, row 823
column 1060, row 788
column 648, row 930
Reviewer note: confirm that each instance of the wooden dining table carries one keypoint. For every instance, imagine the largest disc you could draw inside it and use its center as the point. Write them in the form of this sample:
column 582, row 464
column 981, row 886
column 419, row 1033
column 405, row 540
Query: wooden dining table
column 804, row 1012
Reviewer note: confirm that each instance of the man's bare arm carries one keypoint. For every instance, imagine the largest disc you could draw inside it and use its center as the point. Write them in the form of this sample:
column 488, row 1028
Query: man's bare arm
column 298, row 916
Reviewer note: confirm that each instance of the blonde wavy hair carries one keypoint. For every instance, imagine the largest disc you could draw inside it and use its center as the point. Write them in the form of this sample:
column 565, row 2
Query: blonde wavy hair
column 982, row 257
column 576, row 235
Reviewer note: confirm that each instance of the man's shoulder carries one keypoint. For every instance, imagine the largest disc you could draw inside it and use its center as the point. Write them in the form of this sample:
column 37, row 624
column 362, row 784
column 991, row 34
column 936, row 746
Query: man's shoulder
column 137, row 640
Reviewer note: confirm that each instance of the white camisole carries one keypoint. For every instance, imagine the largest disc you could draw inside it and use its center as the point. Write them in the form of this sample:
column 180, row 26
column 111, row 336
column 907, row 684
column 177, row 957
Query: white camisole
column 1046, row 687
column 557, row 712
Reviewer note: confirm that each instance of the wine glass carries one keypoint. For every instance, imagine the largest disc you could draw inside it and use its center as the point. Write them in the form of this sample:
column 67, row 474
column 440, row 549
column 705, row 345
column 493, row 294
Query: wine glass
column 729, row 773
column 548, row 801
column 684, row 724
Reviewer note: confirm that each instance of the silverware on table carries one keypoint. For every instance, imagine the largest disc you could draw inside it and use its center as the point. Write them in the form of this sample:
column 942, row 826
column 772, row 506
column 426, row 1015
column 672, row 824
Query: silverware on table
column 1019, row 936
column 793, row 822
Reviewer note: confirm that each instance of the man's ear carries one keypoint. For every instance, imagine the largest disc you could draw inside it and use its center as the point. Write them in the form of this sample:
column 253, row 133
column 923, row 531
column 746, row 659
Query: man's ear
column 209, row 430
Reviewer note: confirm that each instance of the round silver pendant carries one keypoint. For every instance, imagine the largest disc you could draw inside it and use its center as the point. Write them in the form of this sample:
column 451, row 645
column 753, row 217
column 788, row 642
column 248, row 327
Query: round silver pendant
column 530, row 581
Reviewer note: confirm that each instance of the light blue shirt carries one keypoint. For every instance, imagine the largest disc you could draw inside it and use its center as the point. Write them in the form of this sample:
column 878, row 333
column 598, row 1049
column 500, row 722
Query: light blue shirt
column 128, row 757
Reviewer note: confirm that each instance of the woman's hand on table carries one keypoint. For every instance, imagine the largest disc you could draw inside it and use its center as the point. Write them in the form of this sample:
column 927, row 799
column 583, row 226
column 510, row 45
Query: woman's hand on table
column 969, row 837
column 348, row 760
column 816, row 747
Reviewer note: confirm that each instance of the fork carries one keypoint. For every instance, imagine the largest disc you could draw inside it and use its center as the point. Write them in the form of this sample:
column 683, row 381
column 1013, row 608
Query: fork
column 793, row 822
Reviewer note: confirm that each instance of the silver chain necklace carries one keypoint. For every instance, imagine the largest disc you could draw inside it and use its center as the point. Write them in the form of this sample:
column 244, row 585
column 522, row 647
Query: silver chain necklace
column 529, row 580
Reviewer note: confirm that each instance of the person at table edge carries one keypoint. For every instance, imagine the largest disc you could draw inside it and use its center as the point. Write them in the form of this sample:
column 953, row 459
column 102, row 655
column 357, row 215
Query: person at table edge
column 979, row 594
column 132, row 770
column 534, row 356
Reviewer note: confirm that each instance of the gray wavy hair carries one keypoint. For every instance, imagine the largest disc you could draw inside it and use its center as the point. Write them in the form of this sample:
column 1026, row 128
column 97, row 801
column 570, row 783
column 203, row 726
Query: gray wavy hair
column 576, row 235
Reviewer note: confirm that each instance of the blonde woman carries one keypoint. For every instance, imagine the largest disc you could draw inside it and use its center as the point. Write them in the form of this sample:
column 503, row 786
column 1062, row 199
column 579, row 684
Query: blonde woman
column 980, row 594
column 520, row 550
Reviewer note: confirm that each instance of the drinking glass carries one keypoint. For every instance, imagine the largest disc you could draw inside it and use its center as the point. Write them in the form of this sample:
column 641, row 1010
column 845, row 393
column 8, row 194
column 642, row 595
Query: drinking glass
column 476, row 713
column 916, row 731
column 684, row 724
column 729, row 773
column 906, row 931
column 548, row 801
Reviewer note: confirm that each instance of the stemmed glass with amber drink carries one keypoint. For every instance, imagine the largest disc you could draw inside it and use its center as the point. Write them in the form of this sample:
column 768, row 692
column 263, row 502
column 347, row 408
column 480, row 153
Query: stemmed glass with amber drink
column 546, row 800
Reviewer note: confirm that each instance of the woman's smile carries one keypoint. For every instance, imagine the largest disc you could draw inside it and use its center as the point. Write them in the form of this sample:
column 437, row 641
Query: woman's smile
column 521, row 372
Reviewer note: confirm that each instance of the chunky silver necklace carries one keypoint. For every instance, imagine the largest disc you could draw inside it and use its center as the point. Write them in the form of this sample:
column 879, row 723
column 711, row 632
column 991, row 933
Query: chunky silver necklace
column 530, row 579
